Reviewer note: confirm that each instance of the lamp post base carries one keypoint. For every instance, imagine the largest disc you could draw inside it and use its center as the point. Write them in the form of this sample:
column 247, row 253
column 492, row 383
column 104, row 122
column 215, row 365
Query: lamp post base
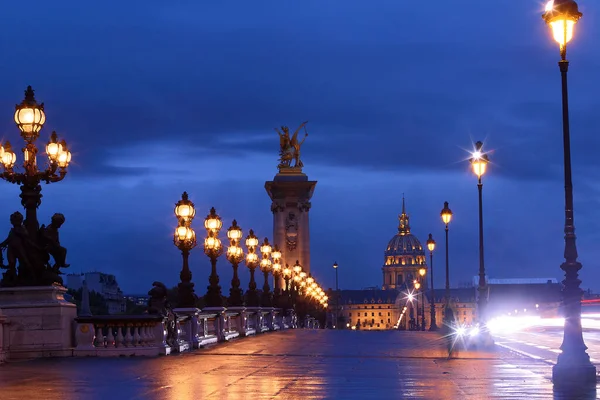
column 574, row 376
column 213, row 297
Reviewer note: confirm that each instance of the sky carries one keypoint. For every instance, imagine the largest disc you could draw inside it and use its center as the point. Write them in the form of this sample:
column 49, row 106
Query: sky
column 158, row 97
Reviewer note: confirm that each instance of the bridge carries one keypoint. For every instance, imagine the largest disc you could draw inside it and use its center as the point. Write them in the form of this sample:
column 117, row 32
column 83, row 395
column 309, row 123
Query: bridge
column 289, row 364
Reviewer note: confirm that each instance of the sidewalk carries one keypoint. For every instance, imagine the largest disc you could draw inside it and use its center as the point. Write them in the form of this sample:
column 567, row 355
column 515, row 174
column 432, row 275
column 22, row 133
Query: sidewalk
column 295, row 364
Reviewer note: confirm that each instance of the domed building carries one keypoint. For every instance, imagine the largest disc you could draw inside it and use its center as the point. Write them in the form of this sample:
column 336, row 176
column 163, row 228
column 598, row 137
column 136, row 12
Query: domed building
column 403, row 257
column 398, row 305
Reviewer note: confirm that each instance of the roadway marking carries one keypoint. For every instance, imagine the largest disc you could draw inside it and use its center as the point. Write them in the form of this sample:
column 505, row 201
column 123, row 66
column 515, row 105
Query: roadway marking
column 524, row 353
column 542, row 347
column 555, row 351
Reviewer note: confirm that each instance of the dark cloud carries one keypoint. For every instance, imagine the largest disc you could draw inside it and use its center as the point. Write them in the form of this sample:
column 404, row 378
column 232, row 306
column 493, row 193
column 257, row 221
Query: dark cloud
column 155, row 98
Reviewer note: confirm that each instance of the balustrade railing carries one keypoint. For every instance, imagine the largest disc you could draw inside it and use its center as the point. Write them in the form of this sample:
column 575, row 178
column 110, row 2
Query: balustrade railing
column 111, row 335
column 152, row 335
column 4, row 336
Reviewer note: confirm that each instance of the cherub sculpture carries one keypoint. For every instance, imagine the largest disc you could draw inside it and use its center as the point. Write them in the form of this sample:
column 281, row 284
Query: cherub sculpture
column 51, row 241
column 16, row 244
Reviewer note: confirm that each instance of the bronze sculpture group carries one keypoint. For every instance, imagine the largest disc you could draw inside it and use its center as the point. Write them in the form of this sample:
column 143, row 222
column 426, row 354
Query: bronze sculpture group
column 289, row 147
column 29, row 256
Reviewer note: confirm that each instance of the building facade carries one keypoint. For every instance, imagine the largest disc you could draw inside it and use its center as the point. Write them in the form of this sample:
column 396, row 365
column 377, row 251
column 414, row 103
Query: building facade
column 103, row 284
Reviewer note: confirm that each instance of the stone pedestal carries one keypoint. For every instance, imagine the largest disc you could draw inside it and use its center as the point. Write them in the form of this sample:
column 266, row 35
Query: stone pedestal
column 40, row 321
column 290, row 192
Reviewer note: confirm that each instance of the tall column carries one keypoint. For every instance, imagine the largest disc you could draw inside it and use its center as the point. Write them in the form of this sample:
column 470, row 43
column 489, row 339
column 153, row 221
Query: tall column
column 290, row 192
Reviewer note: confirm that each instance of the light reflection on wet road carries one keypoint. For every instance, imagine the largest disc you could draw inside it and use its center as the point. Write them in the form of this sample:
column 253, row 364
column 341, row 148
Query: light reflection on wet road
column 298, row 364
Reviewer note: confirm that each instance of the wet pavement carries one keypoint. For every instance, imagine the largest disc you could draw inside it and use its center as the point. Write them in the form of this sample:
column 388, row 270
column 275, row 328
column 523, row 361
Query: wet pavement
column 544, row 343
column 296, row 364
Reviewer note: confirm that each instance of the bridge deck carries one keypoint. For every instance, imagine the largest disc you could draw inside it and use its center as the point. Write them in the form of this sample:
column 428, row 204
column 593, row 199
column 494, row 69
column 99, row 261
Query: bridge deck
column 295, row 364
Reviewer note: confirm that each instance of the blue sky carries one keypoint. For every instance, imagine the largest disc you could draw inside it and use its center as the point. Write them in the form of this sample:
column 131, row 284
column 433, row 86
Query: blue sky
column 160, row 97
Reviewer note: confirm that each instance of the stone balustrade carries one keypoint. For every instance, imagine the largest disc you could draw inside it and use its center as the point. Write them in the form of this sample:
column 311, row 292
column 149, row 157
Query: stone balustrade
column 149, row 335
column 128, row 335
column 4, row 335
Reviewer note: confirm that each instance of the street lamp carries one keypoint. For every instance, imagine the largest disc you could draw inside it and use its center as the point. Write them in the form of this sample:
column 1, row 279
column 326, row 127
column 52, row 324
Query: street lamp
column 573, row 367
column 422, row 272
column 417, row 286
column 35, row 271
column 479, row 161
column 252, row 299
column 431, row 247
column 185, row 240
column 276, row 255
column 213, row 249
column 235, row 255
column 337, row 295
column 265, row 267
column 287, row 274
column 446, row 215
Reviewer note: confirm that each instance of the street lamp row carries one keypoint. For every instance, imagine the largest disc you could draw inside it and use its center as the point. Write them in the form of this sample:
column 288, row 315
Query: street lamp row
column 269, row 262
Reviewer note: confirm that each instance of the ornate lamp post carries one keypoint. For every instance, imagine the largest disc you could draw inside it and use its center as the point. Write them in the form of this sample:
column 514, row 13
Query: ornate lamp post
column 276, row 255
column 479, row 161
column 337, row 299
column 417, row 286
column 252, row 299
column 213, row 249
column 422, row 272
column 446, row 215
column 34, row 265
column 573, row 367
column 235, row 255
column 185, row 240
column 265, row 267
column 431, row 247
column 287, row 274
column 297, row 269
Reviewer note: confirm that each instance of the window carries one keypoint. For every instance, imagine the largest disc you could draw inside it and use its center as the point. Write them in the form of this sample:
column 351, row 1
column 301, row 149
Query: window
column 350, row 314
column 388, row 320
column 372, row 314
column 388, row 314
column 380, row 314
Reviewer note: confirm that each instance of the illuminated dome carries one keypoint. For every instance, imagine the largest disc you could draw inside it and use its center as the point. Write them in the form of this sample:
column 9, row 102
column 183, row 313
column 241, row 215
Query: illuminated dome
column 404, row 248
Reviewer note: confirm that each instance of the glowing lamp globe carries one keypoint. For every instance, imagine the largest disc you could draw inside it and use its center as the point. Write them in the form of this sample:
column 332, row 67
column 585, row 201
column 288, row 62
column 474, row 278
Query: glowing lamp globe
column 29, row 116
column 251, row 240
column 184, row 209
column 479, row 160
column 266, row 248
column 212, row 243
column 64, row 156
column 213, row 222
column 9, row 158
column 265, row 264
column 561, row 16
column 53, row 148
column 297, row 268
column 276, row 254
column 276, row 268
column 234, row 232
column 251, row 258
column 430, row 243
column 184, row 233
column 446, row 214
